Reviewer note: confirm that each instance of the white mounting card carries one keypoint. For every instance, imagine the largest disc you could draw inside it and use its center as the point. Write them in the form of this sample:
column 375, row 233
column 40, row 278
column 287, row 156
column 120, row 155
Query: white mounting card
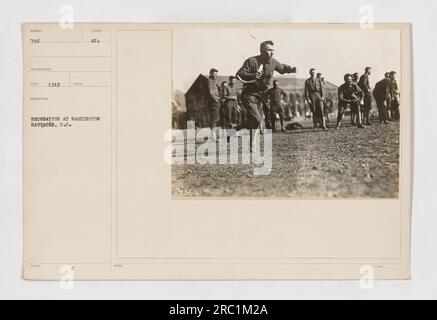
column 125, row 179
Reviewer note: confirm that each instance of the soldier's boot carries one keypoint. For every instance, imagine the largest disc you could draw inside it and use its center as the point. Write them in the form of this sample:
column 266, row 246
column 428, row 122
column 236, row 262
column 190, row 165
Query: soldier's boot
column 281, row 119
column 274, row 126
column 368, row 122
column 359, row 124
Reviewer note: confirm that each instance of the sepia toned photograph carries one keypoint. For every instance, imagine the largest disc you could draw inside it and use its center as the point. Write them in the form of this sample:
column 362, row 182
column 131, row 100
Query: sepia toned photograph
column 286, row 113
column 307, row 113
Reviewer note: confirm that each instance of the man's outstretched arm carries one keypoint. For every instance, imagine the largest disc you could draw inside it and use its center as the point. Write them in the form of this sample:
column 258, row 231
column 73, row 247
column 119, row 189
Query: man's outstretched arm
column 284, row 68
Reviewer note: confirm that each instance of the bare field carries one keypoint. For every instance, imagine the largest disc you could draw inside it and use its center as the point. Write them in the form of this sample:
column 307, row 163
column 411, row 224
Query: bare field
column 345, row 163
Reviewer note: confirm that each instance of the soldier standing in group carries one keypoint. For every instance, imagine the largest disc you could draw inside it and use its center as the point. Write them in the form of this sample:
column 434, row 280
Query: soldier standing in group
column 355, row 111
column 256, row 74
column 381, row 93
column 213, row 99
column 230, row 96
column 348, row 94
column 321, row 79
column 275, row 95
column 394, row 95
column 222, row 104
column 326, row 109
column 314, row 97
column 364, row 84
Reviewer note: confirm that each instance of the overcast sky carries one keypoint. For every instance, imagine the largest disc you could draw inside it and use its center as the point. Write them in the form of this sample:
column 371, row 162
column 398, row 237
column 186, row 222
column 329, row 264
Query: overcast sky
column 331, row 52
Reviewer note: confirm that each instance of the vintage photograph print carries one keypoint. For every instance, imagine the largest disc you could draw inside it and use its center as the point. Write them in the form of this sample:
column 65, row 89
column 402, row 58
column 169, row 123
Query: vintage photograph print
column 295, row 112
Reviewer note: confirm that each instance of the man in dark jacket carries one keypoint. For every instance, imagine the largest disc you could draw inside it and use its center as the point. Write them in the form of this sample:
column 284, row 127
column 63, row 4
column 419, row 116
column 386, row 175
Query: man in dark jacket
column 314, row 96
column 348, row 95
column 364, row 84
column 381, row 93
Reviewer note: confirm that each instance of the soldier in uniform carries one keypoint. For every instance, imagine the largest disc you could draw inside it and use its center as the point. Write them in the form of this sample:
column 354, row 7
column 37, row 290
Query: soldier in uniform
column 264, row 108
column 394, row 95
column 326, row 106
column 230, row 97
column 314, row 97
column 364, row 84
column 348, row 94
column 381, row 93
column 355, row 110
column 275, row 95
column 222, row 104
column 213, row 98
column 322, row 80
column 256, row 74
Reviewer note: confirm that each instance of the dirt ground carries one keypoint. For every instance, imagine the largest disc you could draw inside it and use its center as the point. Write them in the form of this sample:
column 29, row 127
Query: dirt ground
column 345, row 163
